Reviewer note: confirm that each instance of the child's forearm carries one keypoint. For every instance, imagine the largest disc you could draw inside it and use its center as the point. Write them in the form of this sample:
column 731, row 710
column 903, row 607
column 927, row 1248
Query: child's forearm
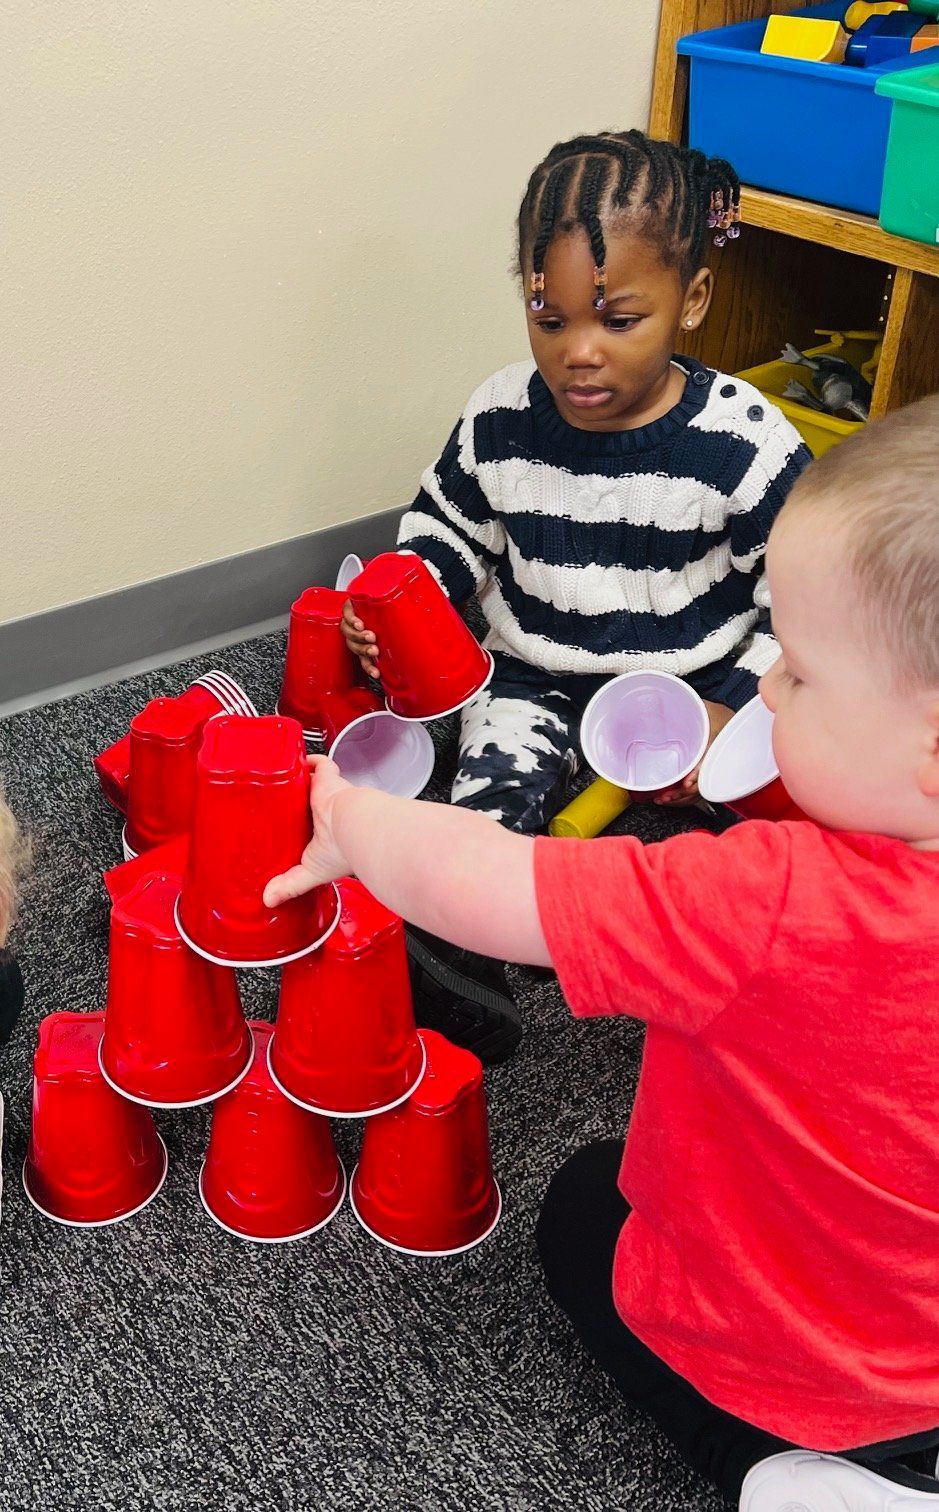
column 449, row 871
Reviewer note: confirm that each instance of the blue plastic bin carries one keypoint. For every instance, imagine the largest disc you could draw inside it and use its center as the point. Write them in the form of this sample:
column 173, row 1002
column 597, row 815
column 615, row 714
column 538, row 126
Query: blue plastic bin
column 815, row 130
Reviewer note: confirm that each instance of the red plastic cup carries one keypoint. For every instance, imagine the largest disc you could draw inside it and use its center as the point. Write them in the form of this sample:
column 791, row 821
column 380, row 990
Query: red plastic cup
column 171, row 857
column 644, row 731
column 93, row 1157
column 251, row 821
column 164, row 742
column 215, row 693
column 429, row 661
column 174, row 1032
column 424, row 1182
column 271, row 1172
column 740, row 768
column 373, row 747
column 318, row 659
column 345, row 1042
column 113, row 768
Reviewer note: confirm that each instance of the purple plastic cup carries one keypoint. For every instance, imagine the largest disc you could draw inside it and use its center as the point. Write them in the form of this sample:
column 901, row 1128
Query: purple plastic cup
column 374, row 748
column 644, row 731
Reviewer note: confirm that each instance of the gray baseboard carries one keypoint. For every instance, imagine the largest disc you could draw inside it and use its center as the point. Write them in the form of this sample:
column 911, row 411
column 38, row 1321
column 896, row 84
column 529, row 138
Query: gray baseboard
column 51, row 655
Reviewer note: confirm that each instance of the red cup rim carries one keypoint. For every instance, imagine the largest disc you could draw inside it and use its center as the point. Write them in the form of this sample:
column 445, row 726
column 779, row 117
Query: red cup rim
column 277, row 1238
column 257, row 965
column 455, row 708
column 197, row 1102
column 99, row 1222
column 311, row 1107
column 423, row 1254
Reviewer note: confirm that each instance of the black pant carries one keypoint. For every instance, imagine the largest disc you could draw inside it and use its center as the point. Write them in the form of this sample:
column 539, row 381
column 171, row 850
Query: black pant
column 579, row 1224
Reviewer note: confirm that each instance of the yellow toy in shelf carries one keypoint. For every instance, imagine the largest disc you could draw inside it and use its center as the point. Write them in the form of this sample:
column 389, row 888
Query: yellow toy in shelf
column 590, row 812
column 862, row 10
column 805, row 37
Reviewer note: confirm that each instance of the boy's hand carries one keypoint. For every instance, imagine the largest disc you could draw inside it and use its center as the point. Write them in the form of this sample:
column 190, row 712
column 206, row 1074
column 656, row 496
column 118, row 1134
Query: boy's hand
column 322, row 861
column 685, row 792
column 361, row 642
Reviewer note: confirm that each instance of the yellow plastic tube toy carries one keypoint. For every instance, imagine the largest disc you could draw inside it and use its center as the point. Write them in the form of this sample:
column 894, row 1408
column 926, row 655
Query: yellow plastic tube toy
column 805, row 37
column 862, row 10
column 590, row 812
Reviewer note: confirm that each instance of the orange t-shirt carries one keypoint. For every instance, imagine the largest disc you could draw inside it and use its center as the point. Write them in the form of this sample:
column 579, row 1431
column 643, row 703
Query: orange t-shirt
column 782, row 1162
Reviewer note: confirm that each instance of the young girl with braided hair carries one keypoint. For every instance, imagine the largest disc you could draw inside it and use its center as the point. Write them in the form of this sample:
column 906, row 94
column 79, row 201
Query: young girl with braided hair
column 608, row 502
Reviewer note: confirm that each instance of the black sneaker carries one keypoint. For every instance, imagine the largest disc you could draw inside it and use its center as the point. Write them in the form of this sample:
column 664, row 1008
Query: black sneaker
column 464, row 996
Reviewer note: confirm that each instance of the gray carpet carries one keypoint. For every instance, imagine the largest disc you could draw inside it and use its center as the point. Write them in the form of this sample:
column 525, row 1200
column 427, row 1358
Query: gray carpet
column 161, row 1364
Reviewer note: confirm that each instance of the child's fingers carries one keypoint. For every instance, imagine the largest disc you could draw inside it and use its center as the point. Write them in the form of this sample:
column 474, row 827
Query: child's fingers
column 290, row 884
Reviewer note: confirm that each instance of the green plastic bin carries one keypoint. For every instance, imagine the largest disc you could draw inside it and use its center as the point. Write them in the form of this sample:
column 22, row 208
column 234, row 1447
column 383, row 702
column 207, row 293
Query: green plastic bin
column 910, row 202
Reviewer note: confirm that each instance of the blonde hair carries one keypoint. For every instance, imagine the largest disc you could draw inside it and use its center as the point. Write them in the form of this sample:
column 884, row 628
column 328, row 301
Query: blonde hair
column 882, row 487
column 13, row 852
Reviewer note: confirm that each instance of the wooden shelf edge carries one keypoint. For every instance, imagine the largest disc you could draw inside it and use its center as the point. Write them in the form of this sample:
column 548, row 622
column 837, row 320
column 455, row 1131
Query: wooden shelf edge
column 841, row 229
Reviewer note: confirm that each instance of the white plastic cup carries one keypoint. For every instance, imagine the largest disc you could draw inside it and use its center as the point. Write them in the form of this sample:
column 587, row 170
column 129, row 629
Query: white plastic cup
column 644, row 731
column 741, row 760
column 351, row 567
column 379, row 750
column 740, row 768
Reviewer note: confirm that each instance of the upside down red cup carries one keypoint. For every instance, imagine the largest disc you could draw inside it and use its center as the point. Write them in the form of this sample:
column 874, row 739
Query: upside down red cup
column 424, row 1182
column 250, row 822
column 174, row 1032
column 112, row 766
column 93, row 1158
column 271, row 1172
column 345, row 1042
column 318, row 659
column 373, row 747
column 171, row 857
column 644, row 731
column 740, row 768
column 215, row 693
column 164, row 742
column 429, row 661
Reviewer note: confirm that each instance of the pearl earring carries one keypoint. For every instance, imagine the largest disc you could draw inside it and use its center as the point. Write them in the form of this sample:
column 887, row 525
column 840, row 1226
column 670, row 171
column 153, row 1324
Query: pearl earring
column 689, row 324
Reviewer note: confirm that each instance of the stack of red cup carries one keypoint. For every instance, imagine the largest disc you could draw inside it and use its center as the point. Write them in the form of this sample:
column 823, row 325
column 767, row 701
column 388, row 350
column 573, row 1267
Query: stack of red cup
column 149, row 774
column 174, row 1035
column 323, row 689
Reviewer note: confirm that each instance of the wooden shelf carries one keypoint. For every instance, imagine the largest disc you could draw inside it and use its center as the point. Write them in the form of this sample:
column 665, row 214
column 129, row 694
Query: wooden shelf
column 801, row 266
column 841, row 229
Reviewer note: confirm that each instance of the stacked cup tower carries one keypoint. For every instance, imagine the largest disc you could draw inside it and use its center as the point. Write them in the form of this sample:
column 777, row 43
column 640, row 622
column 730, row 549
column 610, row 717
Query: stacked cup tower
column 224, row 794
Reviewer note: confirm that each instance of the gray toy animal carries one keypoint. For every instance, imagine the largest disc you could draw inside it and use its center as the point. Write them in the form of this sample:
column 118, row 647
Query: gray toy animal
column 838, row 386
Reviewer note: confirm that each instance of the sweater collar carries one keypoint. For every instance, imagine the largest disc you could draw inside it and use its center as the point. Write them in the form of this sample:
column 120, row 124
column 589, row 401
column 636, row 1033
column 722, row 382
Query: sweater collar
column 622, row 443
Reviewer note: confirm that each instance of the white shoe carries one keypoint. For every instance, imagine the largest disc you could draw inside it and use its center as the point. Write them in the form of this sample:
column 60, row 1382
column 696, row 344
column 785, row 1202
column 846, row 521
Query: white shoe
column 802, row 1482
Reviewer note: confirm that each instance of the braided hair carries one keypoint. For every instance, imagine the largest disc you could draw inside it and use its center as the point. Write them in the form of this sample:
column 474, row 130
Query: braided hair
column 674, row 195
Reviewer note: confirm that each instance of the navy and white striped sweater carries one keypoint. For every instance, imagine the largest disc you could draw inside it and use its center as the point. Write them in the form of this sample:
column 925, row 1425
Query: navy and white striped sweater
column 608, row 552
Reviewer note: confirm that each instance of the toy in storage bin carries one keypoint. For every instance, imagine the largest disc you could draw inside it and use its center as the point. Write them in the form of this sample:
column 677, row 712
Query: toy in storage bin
column 910, row 204
column 819, row 432
column 815, row 130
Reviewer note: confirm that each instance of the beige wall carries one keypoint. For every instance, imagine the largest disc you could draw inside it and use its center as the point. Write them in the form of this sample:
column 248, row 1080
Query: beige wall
column 255, row 257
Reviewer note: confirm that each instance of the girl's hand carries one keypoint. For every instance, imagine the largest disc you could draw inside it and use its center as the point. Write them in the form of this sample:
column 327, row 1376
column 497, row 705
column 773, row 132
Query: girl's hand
column 361, row 642
column 322, row 861
column 685, row 792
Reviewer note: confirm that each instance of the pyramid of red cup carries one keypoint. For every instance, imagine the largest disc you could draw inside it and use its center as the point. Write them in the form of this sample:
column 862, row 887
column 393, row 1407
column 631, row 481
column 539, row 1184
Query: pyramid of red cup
column 173, row 1034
